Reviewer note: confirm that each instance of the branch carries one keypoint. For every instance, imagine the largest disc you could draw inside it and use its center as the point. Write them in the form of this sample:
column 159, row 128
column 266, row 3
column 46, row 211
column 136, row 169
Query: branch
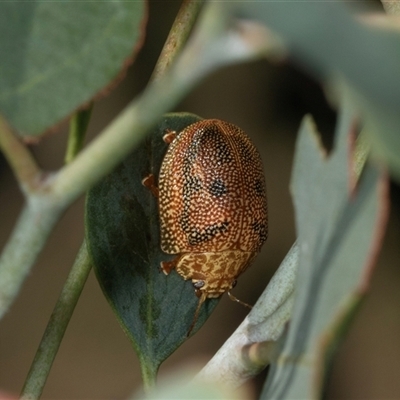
column 28, row 238
column 235, row 363
column 178, row 35
column 18, row 156
column 57, row 326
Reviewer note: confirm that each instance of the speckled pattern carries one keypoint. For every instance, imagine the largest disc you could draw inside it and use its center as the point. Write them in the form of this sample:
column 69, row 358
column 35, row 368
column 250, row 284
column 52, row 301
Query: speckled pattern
column 214, row 273
column 212, row 200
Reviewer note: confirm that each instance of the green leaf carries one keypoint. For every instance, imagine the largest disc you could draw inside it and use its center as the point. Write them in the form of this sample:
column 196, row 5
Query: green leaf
column 327, row 39
column 340, row 228
column 122, row 231
column 57, row 55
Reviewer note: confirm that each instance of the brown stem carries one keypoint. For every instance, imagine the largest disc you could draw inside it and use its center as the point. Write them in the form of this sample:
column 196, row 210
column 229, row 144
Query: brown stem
column 178, row 35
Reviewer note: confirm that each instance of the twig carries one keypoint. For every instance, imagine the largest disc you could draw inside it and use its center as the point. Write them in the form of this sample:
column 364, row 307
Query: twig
column 57, row 326
column 28, row 238
column 19, row 157
column 178, row 35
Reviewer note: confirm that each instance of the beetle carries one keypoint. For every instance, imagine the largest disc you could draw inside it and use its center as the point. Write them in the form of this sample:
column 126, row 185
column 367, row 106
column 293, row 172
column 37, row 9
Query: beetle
column 212, row 206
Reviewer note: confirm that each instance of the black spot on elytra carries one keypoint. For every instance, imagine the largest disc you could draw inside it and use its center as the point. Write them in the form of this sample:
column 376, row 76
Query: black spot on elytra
column 261, row 229
column 197, row 237
column 259, row 187
column 192, row 183
column 217, row 188
column 184, row 221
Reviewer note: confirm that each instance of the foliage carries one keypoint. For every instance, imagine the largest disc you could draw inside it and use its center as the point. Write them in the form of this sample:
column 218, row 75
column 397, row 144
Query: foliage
column 50, row 47
column 57, row 57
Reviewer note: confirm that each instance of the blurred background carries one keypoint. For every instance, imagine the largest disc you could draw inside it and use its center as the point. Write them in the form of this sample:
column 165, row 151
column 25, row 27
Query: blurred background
column 96, row 360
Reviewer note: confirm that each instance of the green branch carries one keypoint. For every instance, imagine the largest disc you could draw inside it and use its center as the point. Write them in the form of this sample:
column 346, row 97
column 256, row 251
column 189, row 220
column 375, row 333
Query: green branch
column 57, row 326
column 19, row 157
column 178, row 35
column 28, row 238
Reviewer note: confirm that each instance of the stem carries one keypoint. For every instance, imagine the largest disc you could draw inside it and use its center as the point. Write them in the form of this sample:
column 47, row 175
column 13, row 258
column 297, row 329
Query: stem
column 149, row 376
column 57, row 326
column 18, row 156
column 27, row 239
column 178, row 35
column 108, row 149
column 77, row 130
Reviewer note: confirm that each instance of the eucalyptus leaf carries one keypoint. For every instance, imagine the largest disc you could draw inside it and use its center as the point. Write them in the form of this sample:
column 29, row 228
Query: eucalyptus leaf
column 123, row 238
column 57, row 55
column 340, row 227
column 328, row 39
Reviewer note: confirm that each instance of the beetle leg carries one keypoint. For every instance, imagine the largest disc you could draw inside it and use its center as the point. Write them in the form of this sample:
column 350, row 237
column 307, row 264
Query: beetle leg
column 202, row 299
column 168, row 266
column 150, row 182
column 233, row 298
column 169, row 136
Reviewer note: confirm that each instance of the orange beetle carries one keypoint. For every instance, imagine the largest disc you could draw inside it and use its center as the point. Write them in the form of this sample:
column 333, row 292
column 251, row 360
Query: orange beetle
column 213, row 206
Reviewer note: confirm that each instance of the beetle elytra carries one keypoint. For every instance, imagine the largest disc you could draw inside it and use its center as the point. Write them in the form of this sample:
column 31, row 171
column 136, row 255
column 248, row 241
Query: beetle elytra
column 212, row 206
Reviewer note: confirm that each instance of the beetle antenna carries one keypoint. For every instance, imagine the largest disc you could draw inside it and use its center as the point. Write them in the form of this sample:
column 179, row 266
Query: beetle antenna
column 233, row 298
column 196, row 314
